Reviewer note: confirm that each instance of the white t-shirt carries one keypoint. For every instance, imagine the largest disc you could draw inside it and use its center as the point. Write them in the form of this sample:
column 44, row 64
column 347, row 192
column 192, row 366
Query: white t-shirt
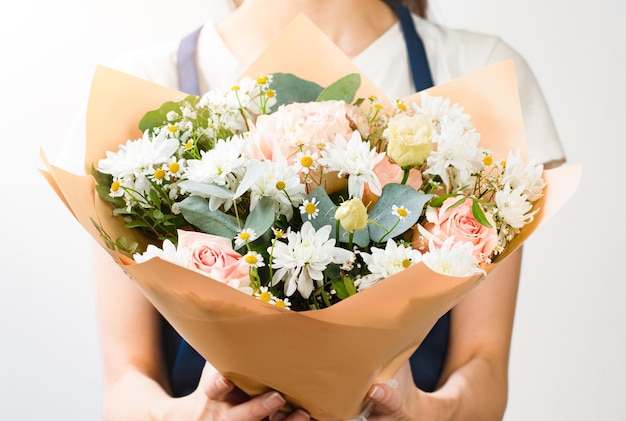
column 451, row 53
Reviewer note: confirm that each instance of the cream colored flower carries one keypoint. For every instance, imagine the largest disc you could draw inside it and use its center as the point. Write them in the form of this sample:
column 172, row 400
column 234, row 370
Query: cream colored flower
column 409, row 139
column 352, row 215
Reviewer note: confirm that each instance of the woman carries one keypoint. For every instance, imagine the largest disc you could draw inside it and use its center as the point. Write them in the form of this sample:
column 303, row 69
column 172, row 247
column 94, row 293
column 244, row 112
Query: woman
column 462, row 374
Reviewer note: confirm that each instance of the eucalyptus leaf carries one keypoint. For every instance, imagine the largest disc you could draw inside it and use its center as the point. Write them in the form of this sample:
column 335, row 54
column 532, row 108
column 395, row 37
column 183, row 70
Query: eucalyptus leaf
column 343, row 89
column 290, row 88
column 399, row 195
column 158, row 117
column 196, row 211
column 206, row 190
column 261, row 218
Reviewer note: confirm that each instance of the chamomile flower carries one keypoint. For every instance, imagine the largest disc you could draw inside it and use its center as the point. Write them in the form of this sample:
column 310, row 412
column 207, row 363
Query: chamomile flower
column 279, row 182
column 310, row 208
column 265, row 295
column 306, row 161
column 244, row 237
column 400, row 211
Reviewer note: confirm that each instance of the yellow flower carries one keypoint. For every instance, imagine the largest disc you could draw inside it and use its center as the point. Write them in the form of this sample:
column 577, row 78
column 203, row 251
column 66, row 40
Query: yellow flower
column 352, row 215
column 409, row 139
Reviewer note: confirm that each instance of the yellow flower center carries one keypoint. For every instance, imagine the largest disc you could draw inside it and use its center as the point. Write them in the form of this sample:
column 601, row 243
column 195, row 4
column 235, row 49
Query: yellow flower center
column 174, row 167
column 401, row 106
column 251, row 259
column 503, row 163
column 115, row 186
column 402, row 212
column 244, row 236
column 189, row 145
column 378, row 107
column 310, row 208
column 406, row 263
column 265, row 296
column 281, row 304
column 159, row 174
column 173, row 129
column 280, row 185
column 235, row 88
column 488, row 160
column 261, row 80
column 306, row 161
column 270, row 93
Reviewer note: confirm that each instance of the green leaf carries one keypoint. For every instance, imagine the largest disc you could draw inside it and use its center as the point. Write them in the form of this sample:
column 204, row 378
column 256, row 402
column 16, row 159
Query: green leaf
column 261, row 218
column 290, row 88
column 158, row 117
column 381, row 213
column 196, row 211
column 479, row 215
column 343, row 89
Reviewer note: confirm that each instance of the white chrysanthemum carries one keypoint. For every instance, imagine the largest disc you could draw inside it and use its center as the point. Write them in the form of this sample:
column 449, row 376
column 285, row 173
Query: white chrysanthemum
column 394, row 258
column 527, row 175
column 356, row 159
column 168, row 253
column 452, row 259
column 301, row 262
column 135, row 156
column 220, row 165
column 441, row 111
column 513, row 206
column 456, row 157
column 282, row 184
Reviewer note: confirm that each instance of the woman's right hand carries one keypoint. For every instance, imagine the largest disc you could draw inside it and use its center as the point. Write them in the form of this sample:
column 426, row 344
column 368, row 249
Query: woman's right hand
column 217, row 398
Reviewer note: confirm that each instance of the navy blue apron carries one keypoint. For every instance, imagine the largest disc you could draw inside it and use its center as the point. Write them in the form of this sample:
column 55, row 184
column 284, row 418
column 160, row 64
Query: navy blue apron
column 184, row 364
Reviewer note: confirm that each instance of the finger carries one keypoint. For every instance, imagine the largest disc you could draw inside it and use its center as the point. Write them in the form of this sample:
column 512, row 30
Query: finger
column 258, row 408
column 385, row 398
column 298, row 415
column 217, row 387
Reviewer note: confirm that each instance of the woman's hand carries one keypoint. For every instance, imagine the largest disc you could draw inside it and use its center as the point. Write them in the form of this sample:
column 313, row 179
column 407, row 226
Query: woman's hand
column 216, row 398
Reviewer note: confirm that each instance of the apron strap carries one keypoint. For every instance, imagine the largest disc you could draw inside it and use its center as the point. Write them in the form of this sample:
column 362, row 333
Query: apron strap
column 188, row 80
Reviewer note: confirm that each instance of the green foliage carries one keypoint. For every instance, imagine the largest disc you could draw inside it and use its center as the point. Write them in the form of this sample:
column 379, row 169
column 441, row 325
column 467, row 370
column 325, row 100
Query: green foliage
column 158, row 117
column 291, row 88
column 196, row 210
column 343, row 89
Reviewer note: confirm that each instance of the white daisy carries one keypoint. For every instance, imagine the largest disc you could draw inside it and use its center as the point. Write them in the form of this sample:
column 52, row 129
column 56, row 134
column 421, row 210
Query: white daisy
column 513, row 206
column 244, row 237
column 392, row 259
column 301, row 262
column 356, row 159
column 452, row 259
column 280, row 182
column 309, row 208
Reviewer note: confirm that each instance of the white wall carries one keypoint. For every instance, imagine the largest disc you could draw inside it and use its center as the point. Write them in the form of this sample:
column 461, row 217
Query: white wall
column 568, row 340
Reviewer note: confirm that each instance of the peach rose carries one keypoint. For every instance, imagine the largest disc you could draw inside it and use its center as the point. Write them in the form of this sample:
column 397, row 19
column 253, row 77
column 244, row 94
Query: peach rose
column 458, row 222
column 389, row 172
column 214, row 256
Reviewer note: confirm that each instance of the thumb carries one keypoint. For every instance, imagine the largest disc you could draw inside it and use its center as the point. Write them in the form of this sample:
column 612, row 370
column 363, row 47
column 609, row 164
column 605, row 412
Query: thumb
column 215, row 386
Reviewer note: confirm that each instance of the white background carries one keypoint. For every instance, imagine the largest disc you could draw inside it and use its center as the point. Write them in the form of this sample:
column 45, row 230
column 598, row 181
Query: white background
column 569, row 338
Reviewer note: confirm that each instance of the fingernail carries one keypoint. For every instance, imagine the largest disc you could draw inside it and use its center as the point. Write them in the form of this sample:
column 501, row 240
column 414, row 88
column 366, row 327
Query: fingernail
column 222, row 384
column 301, row 415
column 376, row 393
column 274, row 401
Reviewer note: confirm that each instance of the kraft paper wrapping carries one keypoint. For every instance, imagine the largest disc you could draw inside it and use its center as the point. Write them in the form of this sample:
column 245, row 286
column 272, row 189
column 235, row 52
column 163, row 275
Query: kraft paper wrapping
column 322, row 360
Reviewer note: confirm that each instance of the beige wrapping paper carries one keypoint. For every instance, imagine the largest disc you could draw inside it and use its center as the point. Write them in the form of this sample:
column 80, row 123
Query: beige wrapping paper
column 322, row 360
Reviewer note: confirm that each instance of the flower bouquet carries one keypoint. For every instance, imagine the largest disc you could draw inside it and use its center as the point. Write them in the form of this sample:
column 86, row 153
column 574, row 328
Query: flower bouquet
column 302, row 232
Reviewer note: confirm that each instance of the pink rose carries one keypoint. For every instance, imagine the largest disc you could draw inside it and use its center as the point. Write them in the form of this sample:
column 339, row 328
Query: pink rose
column 458, row 222
column 313, row 124
column 213, row 256
column 389, row 172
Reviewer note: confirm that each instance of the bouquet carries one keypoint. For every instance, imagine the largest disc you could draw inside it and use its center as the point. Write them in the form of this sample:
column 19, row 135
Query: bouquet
column 304, row 210
column 302, row 196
